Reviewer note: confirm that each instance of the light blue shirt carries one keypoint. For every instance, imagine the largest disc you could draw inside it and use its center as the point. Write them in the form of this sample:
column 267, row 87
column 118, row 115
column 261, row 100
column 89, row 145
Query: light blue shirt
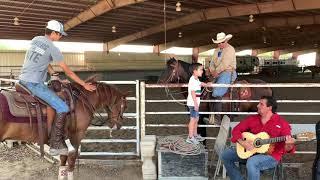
column 40, row 54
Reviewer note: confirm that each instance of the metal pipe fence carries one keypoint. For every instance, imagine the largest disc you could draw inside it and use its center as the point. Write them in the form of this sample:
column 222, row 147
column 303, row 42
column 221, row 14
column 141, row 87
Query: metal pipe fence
column 145, row 101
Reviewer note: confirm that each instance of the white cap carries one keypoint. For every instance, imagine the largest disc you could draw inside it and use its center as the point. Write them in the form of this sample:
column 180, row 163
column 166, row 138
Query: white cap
column 56, row 26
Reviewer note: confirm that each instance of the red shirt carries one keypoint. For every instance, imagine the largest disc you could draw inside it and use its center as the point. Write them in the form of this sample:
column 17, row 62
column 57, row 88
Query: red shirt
column 275, row 127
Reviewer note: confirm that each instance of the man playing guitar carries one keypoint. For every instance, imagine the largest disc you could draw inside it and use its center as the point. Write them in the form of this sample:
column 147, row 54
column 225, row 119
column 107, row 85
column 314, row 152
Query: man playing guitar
column 267, row 120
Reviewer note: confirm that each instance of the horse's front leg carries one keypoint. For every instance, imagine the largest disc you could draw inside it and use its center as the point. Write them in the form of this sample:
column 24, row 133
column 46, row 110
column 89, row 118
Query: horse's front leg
column 72, row 160
column 75, row 141
column 63, row 169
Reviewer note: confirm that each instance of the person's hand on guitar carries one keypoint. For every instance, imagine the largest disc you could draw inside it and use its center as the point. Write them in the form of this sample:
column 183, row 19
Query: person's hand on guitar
column 290, row 140
column 248, row 145
column 289, row 143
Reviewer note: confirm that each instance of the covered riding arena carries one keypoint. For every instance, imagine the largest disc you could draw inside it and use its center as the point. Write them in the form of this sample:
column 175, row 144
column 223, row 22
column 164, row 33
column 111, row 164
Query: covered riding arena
column 127, row 42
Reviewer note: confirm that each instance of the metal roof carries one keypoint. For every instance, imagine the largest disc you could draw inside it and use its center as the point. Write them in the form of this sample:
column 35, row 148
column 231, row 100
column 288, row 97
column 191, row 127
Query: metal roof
column 142, row 21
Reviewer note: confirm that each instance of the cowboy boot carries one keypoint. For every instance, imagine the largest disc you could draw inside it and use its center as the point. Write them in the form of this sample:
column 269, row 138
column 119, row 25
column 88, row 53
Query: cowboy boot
column 217, row 108
column 57, row 143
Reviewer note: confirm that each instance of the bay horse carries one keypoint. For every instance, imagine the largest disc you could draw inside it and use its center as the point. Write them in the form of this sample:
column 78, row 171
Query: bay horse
column 178, row 71
column 314, row 70
column 86, row 103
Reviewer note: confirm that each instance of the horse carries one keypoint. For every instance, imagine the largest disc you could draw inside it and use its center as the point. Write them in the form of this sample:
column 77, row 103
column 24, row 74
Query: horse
column 314, row 70
column 178, row 71
column 105, row 96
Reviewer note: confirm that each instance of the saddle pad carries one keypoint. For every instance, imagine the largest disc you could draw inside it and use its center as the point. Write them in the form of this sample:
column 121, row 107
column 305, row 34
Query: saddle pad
column 20, row 109
column 7, row 116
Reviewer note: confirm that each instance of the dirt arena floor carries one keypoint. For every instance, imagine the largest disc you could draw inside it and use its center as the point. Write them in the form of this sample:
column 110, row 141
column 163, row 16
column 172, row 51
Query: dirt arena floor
column 22, row 163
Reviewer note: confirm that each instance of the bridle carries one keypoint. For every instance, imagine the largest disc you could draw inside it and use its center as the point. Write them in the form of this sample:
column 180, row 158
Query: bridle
column 175, row 72
column 83, row 97
column 119, row 115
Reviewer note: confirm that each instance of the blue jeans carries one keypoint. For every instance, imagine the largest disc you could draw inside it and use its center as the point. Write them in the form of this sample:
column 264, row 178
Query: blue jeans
column 44, row 93
column 193, row 112
column 223, row 78
column 254, row 164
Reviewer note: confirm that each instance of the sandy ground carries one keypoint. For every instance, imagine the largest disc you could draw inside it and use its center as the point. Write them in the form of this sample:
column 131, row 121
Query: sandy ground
column 21, row 163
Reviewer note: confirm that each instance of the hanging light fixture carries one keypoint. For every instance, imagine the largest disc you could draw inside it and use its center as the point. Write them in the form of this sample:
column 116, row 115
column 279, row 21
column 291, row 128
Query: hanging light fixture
column 251, row 19
column 114, row 30
column 16, row 18
column 16, row 21
column 292, row 43
column 178, row 6
column 298, row 27
column 180, row 35
column 264, row 40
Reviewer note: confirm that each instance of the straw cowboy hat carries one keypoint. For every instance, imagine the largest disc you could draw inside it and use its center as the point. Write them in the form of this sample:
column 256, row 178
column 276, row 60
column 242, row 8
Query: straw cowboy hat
column 221, row 37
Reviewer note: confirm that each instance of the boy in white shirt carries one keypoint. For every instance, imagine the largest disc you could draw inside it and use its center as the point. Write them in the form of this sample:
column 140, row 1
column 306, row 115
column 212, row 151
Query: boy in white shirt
column 193, row 102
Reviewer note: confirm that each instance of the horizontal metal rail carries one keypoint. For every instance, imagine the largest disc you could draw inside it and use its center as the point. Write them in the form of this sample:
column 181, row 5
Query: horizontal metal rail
column 239, row 113
column 108, row 140
column 120, row 82
column 127, row 115
column 305, row 152
column 226, row 100
column 108, row 154
column 108, row 128
column 178, row 125
column 280, row 85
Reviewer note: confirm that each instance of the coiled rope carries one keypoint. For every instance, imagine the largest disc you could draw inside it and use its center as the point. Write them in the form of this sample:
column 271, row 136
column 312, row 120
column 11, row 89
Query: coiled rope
column 177, row 144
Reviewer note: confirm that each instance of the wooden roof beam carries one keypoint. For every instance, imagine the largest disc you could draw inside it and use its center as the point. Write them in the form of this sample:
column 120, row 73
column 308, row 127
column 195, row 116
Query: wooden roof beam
column 101, row 7
column 221, row 12
column 257, row 24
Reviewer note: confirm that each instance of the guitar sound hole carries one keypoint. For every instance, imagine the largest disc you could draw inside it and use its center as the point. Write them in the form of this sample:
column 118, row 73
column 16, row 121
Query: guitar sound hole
column 258, row 143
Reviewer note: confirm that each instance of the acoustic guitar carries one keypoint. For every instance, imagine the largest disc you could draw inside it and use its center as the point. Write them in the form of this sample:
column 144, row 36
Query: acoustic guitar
column 262, row 141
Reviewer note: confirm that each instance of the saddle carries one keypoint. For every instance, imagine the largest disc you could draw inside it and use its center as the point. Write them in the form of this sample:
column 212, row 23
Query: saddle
column 242, row 93
column 22, row 103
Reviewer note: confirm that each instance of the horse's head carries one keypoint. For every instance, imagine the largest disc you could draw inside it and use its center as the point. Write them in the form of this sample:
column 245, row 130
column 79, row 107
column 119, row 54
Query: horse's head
column 108, row 98
column 175, row 72
column 115, row 111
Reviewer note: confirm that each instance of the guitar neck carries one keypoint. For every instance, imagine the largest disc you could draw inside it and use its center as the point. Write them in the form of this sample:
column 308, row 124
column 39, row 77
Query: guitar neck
column 274, row 140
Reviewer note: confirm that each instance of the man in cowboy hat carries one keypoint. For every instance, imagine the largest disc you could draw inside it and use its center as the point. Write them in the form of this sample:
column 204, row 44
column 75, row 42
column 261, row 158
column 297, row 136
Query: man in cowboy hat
column 36, row 64
column 222, row 68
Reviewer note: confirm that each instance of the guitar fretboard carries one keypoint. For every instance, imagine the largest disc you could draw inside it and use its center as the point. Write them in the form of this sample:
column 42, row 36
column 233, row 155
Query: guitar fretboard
column 274, row 140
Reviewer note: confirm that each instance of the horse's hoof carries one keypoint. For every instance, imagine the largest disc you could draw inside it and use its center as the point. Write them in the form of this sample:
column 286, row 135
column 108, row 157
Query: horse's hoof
column 70, row 175
column 63, row 173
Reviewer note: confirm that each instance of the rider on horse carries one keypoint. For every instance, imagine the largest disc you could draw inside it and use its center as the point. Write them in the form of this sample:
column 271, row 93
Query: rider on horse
column 223, row 69
column 34, row 72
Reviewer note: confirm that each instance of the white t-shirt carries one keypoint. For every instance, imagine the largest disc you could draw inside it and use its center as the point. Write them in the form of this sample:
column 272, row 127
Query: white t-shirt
column 193, row 85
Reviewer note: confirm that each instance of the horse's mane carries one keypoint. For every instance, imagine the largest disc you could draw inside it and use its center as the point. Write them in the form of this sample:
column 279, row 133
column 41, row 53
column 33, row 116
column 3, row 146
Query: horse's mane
column 94, row 79
column 187, row 67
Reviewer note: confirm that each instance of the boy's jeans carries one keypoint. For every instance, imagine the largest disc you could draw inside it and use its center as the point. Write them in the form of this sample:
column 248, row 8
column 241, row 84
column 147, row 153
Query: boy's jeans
column 44, row 93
